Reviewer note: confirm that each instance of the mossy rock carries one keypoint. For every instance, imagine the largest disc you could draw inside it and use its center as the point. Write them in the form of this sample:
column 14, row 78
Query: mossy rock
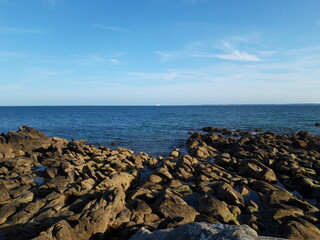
column 183, row 190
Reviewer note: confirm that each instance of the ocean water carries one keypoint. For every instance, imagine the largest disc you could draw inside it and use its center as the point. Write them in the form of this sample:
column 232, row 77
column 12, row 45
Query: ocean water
column 156, row 130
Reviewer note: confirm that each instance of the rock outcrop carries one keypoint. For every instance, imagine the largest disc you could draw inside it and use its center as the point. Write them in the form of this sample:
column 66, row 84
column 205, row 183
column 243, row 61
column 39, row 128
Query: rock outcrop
column 54, row 189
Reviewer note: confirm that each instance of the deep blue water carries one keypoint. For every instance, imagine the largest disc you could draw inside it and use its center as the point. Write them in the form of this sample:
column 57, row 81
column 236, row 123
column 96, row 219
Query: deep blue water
column 156, row 130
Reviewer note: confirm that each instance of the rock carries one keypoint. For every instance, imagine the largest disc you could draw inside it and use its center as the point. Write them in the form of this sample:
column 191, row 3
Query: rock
column 317, row 124
column 167, row 197
column 222, row 159
column 28, row 139
column 5, row 150
column 211, row 206
column 59, row 231
column 195, row 231
column 225, row 192
column 25, row 214
column 155, row 178
column 163, row 172
column 6, row 211
column 254, row 169
column 175, row 153
column 4, row 194
column 18, row 162
column 59, row 183
column 181, row 212
column 140, row 207
column 299, row 229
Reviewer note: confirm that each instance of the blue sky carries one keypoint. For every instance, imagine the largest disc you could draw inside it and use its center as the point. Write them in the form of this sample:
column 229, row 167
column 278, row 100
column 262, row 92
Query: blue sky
column 142, row 52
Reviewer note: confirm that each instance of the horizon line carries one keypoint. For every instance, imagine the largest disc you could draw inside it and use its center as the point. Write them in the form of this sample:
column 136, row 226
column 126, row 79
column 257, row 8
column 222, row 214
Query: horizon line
column 160, row 105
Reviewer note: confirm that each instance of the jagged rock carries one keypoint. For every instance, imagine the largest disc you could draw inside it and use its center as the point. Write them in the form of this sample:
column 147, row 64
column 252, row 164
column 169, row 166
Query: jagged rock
column 18, row 162
column 69, row 190
column 28, row 139
column 195, row 231
column 26, row 213
column 7, row 210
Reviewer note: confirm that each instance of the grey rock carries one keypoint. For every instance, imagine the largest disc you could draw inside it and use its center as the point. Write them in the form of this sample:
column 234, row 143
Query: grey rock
column 201, row 231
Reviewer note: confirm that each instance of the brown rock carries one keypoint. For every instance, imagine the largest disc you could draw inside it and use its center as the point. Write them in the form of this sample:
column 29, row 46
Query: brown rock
column 183, row 212
column 255, row 169
column 28, row 139
column 155, row 178
column 225, row 192
column 223, row 159
column 211, row 206
column 299, row 229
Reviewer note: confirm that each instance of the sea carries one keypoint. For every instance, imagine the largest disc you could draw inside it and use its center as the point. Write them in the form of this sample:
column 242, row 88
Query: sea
column 156, row 130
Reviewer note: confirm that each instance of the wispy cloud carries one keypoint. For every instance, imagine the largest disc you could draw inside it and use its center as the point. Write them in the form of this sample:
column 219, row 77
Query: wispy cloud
column 112, row 28
column 96, row 59
column 114, row 61
column 201, row 50
column 237, row 55
column 21, row 30
column 195, row 49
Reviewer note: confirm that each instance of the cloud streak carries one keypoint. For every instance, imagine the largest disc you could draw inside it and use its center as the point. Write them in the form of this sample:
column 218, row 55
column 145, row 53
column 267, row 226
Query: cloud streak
column 237, row 55
column 201, row 50
column 112, row 28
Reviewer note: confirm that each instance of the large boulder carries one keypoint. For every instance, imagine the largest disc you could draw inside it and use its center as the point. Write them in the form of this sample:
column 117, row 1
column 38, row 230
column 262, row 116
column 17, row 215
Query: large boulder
column 27, row 139
column 210, row 206
column 195, row 231
column 255, row 169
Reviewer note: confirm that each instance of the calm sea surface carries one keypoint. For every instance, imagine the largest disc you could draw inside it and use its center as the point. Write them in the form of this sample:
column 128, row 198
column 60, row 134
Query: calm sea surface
column 152, row 129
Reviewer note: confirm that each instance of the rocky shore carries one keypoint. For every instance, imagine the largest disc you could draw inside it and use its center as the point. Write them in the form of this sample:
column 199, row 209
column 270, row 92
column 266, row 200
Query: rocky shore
column 233, row 183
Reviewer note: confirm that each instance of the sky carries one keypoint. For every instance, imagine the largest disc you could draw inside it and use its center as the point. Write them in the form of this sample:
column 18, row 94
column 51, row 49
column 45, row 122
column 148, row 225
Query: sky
column 170, row 52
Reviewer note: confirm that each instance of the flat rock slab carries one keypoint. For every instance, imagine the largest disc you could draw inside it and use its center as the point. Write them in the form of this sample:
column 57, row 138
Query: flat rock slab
column 203, row 231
